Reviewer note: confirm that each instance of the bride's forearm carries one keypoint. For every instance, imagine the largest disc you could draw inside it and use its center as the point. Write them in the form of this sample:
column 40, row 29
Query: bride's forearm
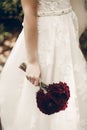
column 30, row 8
column 31, row 37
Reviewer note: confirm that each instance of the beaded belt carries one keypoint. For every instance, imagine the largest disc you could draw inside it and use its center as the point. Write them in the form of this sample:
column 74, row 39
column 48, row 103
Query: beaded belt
column 52, row 13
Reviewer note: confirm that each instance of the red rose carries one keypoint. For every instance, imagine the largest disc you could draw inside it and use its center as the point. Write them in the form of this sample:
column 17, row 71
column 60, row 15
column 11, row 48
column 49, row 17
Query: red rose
column 53, row 98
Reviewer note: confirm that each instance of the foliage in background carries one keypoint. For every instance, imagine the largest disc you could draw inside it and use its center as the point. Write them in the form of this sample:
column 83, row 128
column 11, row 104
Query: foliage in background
column 11, row 9
column 11, row 17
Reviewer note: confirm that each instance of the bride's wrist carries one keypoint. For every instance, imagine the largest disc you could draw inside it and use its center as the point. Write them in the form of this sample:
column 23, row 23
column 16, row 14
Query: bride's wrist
column 32, row 57
column 33, row 60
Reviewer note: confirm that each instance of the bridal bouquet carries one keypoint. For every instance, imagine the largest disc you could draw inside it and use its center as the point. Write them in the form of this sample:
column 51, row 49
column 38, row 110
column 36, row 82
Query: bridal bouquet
column 51, row 98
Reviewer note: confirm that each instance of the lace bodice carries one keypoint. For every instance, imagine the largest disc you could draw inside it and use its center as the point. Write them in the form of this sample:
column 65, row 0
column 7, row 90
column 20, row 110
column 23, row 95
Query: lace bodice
column 45, row 6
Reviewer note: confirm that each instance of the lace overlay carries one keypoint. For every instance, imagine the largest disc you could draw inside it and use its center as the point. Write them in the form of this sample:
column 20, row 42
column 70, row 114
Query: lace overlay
column 52, row 6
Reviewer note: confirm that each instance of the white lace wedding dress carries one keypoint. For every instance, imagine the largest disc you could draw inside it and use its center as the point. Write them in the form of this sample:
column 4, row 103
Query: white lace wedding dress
column 61, row 60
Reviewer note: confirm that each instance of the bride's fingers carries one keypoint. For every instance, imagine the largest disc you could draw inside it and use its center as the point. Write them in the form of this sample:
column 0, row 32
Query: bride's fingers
column 33, row 80
column 36, row 82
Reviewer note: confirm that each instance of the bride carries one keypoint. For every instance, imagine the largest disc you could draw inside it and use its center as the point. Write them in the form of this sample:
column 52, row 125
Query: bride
column 49, row 45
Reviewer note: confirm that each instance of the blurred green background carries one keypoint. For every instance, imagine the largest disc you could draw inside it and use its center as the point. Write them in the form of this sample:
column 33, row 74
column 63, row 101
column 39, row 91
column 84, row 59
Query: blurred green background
column 11, row 18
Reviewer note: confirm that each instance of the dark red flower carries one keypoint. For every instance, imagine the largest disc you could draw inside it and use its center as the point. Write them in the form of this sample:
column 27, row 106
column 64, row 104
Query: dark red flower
column 53, row 98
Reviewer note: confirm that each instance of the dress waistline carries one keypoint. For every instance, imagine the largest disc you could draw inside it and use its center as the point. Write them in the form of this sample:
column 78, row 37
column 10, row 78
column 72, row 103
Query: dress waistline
column 52, row 13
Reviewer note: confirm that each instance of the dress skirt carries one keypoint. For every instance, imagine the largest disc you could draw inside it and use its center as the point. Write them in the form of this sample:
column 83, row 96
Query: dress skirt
column 60, row 59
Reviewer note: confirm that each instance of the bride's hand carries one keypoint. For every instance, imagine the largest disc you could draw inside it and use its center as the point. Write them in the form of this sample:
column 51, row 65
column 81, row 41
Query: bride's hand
column 33, row 73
